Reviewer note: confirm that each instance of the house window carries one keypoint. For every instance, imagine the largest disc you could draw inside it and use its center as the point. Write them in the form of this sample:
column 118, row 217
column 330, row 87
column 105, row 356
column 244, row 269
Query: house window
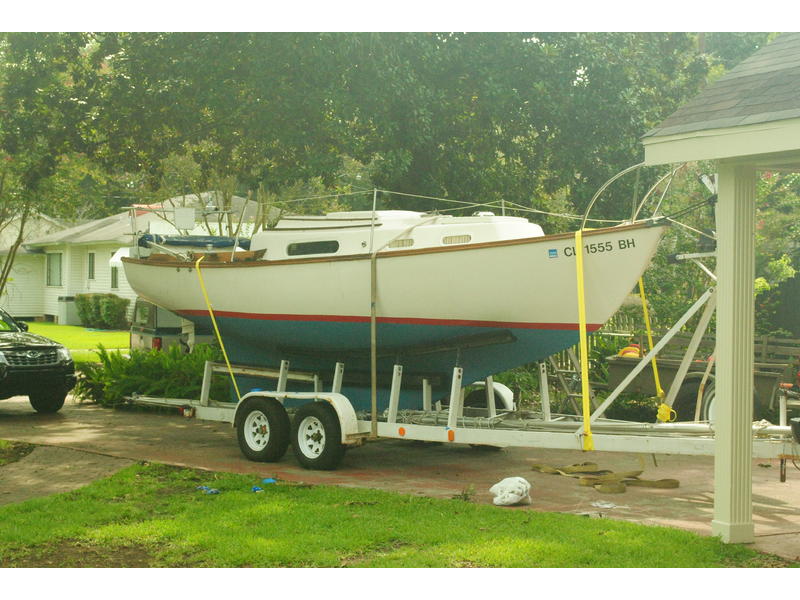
column 302, row 248
column 114, row 278
column 54, row 269
column 91, row 265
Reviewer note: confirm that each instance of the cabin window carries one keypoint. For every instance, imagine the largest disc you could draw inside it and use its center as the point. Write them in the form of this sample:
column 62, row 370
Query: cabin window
column 303, row 248
column 405, row 243
column 91, row 265
column 456, row 239
column 54, row 269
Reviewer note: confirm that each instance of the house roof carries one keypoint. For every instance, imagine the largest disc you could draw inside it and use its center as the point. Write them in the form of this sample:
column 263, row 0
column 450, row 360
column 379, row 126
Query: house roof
column 37, row 225
column 751, row 115
column 760, row 89
column 116, row 229
column 108, row 229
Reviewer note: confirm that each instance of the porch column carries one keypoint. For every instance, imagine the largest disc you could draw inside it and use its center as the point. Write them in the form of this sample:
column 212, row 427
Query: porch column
column 733, row 407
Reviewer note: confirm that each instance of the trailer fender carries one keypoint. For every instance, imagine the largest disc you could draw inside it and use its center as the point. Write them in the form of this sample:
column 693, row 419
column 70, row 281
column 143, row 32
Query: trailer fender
column 347, row 416
column 504, row 397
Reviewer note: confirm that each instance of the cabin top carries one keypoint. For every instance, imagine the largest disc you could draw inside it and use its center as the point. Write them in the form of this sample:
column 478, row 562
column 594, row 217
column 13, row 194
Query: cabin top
column 345, row 233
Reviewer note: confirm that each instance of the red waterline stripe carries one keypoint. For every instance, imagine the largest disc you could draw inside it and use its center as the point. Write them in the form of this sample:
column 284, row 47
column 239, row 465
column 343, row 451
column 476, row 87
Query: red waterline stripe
column 392, row 320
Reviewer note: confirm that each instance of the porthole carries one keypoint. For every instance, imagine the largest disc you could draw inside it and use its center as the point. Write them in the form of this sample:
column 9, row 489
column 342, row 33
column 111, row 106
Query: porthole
column 304, row 248
column 456, row 239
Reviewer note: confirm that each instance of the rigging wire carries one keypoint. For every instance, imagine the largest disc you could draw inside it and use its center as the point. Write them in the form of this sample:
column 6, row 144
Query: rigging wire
column 291, row 200
column 703, row 233
column 521, row 208
column 462, row 204
column 708, row 201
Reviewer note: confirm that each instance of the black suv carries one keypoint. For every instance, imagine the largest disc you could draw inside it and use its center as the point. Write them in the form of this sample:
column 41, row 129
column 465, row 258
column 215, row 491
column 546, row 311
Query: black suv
column 34, row 366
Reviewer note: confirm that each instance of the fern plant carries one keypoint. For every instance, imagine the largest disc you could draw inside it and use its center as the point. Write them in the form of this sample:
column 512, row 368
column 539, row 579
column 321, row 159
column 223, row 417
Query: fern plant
column 168, row 374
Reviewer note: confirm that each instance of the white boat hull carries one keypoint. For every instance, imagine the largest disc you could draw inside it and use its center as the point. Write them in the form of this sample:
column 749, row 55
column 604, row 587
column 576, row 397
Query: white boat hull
column 489, row 307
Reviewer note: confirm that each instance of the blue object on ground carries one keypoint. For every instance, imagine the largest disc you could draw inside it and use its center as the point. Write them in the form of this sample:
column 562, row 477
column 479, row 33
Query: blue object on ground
column 269, row 480
column 255, row 488
column 212, row 491
column 202, row 487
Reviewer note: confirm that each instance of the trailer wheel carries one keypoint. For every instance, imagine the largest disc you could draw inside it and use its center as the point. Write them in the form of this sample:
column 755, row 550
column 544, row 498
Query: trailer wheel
column 263, row 430
column 710, row 395
column 707, row 406
column 317, row 437
column 686, row 400
column 708, row 403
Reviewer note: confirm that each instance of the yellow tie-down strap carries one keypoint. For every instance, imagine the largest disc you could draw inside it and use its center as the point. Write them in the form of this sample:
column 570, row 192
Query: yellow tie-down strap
column 646, row 314
column 588, row 443
column 216, row 329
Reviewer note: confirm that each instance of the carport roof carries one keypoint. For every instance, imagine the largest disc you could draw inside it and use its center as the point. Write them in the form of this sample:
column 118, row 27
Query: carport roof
column 753, row 109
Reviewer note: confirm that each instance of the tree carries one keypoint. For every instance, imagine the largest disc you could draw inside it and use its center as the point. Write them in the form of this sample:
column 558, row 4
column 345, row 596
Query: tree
column 537, row 119
column 252, row 106
column 44, row 79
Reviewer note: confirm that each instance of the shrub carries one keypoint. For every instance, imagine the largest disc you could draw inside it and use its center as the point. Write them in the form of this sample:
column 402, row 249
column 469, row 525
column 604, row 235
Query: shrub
column 102, row 311
column 88, row 310
column 113, row 311
column 167, row 374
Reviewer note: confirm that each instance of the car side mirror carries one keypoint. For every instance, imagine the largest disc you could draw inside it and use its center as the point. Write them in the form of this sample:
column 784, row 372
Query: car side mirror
column 22, row 325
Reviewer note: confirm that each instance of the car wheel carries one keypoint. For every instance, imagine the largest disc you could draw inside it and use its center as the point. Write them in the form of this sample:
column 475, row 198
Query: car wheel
column 47, row 402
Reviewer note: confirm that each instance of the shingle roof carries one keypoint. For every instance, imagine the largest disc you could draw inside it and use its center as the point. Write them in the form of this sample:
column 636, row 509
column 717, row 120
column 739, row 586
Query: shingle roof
column 762, row 88
column 116, row 228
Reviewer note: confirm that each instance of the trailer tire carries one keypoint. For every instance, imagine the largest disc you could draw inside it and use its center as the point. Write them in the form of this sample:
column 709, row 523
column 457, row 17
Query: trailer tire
column 686, row 400
column 710, row 395
column 263, row 429
column 317, row 437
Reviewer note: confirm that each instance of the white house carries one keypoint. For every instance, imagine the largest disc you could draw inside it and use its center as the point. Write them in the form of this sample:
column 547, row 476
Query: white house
column 77, row 260
column 22, row 296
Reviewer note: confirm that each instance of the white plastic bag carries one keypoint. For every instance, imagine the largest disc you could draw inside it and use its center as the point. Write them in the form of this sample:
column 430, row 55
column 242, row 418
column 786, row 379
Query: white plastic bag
column 511, row 491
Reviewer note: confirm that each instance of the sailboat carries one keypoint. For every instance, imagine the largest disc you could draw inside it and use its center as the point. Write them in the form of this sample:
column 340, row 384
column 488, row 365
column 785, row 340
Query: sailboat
column 483, row 292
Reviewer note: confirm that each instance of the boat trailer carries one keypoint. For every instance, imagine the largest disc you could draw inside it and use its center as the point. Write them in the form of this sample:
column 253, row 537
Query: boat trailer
column 326, row 423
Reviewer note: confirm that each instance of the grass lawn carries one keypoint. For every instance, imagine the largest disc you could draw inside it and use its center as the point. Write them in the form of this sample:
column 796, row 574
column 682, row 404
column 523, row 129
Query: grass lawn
column 80, row 340
column 151, row 515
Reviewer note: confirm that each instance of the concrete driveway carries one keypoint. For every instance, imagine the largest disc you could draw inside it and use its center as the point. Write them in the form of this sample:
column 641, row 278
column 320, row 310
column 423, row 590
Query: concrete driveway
column 442, row 470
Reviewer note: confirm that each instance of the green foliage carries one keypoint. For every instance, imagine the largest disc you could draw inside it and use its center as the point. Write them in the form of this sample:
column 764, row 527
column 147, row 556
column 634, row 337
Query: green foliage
column 102, row 311
column 113, row 311
column 168, row 374
column 475, row 115
column 524, row 382
column 601, row 348
column 728, row 49
column 633, row 407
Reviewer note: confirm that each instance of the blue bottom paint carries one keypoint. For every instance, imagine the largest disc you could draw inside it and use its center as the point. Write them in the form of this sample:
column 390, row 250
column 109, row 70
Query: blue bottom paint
column 266, row 343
